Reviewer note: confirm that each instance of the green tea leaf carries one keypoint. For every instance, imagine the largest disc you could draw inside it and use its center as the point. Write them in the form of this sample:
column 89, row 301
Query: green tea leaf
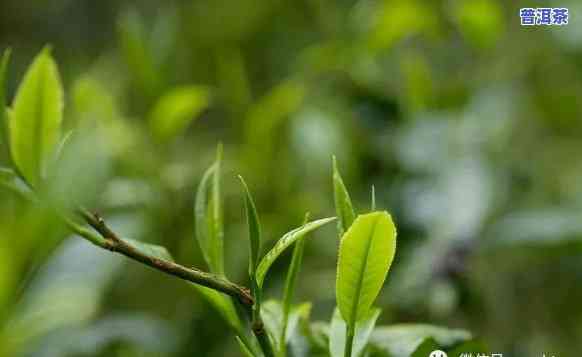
column 254, row 229
column 176, row 109
column 284, row 243
column 244, row 349
column 425, row 348
column 36, row 119
column 290, row 283
column 366, row 253
column 11, row 181
column 364, row 328
column 403, row 340
column 152, row 250
column 216, row 209
column 223, row 304
column 208, row 217
column 272, row 315
column 343, row 203
column 3, row 116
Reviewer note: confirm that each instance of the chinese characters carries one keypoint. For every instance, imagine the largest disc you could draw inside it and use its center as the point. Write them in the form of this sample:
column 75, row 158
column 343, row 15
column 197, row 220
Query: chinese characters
column 543, row 16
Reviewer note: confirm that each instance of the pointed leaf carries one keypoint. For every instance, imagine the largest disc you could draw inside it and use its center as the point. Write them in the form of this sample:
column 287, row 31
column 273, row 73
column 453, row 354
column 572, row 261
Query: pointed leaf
column 208, row 218
column 343, row 203
column 425, row 348
column 223, row 304
column 200, row 215
column 11, row 181
column 254, row 229
column 290, row 282
column 284, row 243
column 364, row 328
column 366, row 253
column 36, row 120
column 176, row 109
column 216, row 223
column 244, row 349
column 272, row 315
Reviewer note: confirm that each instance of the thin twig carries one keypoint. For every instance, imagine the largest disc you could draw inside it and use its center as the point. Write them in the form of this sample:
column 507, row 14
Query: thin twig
column 109, row 240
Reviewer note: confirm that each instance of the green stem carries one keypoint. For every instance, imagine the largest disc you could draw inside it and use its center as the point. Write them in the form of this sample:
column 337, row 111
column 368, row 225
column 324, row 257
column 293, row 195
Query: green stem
column 263, row 338
column 289, row 290
column 349, row 341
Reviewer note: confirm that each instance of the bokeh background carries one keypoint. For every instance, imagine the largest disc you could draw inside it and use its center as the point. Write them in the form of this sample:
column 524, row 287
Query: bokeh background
column 468, row 125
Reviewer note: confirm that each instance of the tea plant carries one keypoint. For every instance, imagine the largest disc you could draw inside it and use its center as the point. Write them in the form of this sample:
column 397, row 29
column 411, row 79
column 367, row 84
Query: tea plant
column 367, row 245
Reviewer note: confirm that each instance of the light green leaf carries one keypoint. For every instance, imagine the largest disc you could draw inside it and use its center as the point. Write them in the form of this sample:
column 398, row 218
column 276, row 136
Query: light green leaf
column 272, row 315
column 223, row 304
column 244, row 349
column 364, row 328
column 366, row 253
column 404, row 340
column 3, row 70
column 290, row 283
column 343, row 203
column 153, row 250
column 425, row 348
column 208, row 217
column 284, row 243
column 254, row 229
column 10, row 180
column 176, row 109
column 36, row 119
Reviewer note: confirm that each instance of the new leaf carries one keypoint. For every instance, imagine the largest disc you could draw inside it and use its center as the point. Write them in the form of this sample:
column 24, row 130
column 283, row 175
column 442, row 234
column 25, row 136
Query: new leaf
column 284, row 243
column 343, row 203
column 208, row 217
column 254, row 229
column 36, row 118
column 366, row 253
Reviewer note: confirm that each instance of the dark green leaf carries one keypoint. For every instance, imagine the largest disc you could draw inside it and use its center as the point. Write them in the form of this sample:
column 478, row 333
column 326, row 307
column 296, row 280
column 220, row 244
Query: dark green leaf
column 244, row 349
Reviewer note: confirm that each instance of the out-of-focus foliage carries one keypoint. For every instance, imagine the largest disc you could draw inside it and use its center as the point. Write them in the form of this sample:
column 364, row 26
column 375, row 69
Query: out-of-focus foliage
column 467, row 124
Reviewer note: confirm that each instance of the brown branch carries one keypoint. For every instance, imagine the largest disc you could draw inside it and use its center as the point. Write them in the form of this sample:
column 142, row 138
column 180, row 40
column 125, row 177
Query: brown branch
column 111, row 241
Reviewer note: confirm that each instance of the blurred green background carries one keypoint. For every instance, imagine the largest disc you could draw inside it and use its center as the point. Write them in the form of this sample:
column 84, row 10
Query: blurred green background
column 468, row 125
